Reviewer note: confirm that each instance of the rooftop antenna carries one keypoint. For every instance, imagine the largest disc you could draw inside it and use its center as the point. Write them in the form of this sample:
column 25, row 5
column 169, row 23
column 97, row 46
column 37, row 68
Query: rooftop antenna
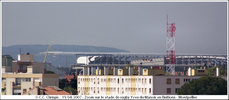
column 170, row 47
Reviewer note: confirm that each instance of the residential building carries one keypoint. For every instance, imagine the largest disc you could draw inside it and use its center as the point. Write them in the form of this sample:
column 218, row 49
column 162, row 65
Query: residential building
column 146, row 82
column 27, row 60
column 18, row 83
column 24, row 74
column 49, row 90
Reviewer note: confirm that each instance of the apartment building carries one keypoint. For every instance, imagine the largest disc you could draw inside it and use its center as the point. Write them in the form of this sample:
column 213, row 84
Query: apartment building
column 19, row 83
column 148, row 82
column 20, row 76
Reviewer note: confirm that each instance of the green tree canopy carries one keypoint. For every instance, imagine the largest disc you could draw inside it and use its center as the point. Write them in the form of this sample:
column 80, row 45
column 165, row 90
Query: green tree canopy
column 63, row 83
column 70, row 90
column 212, row 71
column 204, row 86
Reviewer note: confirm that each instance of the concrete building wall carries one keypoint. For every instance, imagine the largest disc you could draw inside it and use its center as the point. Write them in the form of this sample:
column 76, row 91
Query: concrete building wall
column 38, row 67
column 25, row 58
column 33, row 91
column 50, row 80
column 161, row 87
column 9, row 86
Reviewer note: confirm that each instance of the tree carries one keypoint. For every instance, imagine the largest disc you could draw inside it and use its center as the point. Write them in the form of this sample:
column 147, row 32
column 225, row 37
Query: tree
column 204, row 86
column 212, row 71
column 70, row 90
column 73, row 82
column 63, row 83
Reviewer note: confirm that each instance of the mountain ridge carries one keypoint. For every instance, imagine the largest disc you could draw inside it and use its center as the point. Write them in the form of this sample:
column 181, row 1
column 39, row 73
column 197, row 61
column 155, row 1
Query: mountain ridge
column 14, row 50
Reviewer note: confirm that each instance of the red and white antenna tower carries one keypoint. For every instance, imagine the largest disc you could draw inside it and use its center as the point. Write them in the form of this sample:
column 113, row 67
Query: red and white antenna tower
column 170, row 48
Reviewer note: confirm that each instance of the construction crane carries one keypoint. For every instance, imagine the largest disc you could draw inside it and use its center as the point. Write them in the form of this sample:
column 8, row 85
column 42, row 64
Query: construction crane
column 48, row 49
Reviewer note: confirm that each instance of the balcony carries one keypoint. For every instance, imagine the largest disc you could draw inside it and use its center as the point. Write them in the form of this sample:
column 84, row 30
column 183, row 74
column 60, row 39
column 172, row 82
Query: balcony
column 23, row 71
column 3, row 84
column 16, row 85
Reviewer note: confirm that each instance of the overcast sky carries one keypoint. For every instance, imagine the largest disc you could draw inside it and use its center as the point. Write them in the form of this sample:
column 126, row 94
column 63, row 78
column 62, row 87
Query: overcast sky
column 201, row 28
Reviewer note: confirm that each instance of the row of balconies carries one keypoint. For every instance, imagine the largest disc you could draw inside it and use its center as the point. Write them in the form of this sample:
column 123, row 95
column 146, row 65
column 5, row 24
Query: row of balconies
column 131, row 72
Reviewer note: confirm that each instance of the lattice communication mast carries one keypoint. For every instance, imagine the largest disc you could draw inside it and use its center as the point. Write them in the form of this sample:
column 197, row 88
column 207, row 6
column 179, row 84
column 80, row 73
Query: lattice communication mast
column 170, row 48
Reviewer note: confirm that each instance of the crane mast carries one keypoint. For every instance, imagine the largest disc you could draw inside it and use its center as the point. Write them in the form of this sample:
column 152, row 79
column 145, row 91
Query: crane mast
column 48, row 49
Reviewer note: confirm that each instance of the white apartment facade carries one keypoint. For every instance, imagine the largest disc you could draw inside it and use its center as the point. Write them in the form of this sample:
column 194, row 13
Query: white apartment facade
column 131, row 84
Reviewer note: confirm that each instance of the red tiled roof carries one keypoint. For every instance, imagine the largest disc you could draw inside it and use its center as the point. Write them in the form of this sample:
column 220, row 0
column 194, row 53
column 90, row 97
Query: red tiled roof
column 69, row 77
column 51, row 91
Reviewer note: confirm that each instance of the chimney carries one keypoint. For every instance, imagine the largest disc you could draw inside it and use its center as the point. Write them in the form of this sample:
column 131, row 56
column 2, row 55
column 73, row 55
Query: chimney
column 217, row 71
column 189, row 71
column 29, row 69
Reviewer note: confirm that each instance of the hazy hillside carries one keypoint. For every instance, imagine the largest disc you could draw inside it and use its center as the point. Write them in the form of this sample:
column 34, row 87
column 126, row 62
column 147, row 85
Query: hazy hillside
column 35, row 49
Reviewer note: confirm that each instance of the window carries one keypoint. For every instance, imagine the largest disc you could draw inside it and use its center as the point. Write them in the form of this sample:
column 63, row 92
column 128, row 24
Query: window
column 168, row 90
column 149, row 81
column 122, row 80
column 98, row 80
column 149, row 90
column 20, row 67
column 200, row 71
column 16, row 91
column 177, row 81
column 145, row 81
column 94, row 80
column 3, row 90
column 176, row 90
column 168, row 80
column 186, row 80
column 37, row 80
column 118, row 81
column 4, row 81
column 18, row 81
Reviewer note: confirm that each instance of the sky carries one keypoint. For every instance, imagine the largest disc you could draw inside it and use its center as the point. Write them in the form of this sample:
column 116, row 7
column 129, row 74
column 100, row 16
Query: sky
column 201, row 27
